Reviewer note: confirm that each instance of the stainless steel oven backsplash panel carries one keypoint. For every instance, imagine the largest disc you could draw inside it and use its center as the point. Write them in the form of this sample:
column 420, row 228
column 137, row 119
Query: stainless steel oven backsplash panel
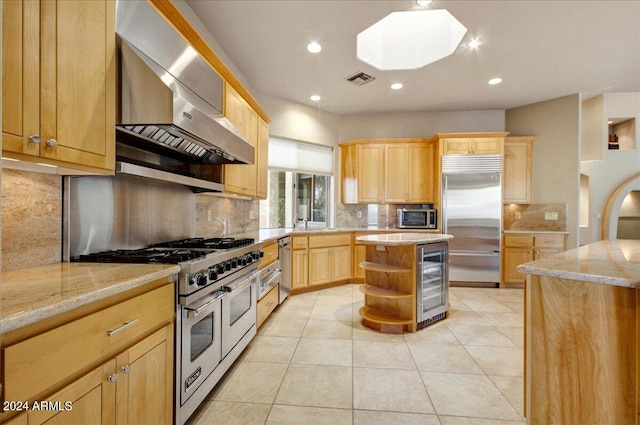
column 102, row 213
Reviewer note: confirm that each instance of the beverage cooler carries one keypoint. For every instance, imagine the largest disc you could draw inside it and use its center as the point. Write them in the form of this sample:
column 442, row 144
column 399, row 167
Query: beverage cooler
column 432, row 280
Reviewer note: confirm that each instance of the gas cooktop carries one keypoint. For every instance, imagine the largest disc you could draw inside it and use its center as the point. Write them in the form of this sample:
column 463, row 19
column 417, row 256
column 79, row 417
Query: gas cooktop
column 172, row 252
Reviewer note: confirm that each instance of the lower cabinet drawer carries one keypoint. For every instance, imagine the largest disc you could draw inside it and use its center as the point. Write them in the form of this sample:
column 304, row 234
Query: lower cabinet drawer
column 329, row 240
column 267, row 304
column 38, row 363
column 549, row 241
column 518, row 241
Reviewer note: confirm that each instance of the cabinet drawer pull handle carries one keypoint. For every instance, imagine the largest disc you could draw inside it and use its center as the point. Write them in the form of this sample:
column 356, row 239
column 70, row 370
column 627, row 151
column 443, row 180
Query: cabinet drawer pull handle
column 52, row 142
column 34, row 139
column 126, row 369
column 113, row 378
column 123, row 327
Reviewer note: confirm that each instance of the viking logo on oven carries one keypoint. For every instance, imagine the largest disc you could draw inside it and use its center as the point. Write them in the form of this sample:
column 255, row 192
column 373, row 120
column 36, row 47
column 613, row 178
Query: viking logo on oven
column 193, row 378
column 187, row 116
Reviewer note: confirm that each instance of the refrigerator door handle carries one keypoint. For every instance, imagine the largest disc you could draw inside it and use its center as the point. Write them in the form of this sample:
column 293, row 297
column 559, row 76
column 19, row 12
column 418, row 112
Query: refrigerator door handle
column 443, row 213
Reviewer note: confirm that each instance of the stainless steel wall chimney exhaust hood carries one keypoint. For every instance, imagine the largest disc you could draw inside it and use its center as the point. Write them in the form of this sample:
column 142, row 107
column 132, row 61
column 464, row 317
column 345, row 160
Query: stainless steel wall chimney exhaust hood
column 170, row 99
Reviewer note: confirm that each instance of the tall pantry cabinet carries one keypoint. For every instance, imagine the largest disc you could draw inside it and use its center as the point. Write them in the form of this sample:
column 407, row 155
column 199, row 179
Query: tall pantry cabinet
column 58, row 85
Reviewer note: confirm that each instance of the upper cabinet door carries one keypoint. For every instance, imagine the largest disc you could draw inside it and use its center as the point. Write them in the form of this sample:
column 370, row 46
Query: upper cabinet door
column 422, row 172
column 78, row 82
column 21, row 76
column 397, row 172
column 518, row 170
column 370, row 173
column 58, row 81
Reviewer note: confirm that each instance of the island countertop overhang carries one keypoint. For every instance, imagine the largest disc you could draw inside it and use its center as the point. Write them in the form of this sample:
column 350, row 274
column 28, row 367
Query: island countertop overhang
column 609, row 262
column 403, row 238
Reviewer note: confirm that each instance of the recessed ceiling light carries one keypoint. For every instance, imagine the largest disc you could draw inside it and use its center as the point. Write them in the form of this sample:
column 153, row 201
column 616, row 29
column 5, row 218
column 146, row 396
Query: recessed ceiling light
column 495, row 81
column 608, row 122
column 396, row 86
column 423, row 3
column 315, row 98
column 314, row 47
column 474, row 43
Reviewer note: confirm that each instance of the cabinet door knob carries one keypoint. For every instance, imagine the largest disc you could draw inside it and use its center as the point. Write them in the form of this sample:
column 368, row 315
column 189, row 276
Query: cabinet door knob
column 126, row 369
column 113, row 378
column 34, row 139
column 52, row 142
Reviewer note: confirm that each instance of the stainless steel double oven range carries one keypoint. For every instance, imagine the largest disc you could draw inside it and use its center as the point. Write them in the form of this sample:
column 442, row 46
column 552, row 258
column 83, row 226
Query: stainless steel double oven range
column 216, row 310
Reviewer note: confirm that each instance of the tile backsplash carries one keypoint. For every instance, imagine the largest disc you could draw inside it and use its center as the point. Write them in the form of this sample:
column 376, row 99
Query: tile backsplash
column 212, row 212
column 31, row 219
column 532, row 217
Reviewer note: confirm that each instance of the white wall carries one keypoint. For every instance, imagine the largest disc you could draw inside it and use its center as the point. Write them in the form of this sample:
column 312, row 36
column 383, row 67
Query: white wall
column 615, row 167
column 556, row 153
column 418, row 124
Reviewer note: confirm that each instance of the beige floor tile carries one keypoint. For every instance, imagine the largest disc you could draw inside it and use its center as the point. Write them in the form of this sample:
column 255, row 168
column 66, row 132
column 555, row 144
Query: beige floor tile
column 300, row 311
column 314, row 385
column 515, row 334
column 230, row 413
column 299, row 415
column 328, row 329
column 438, row 333
column 466, row 317
column 444, row 358
column 270, row 349
column 467, row 395
column 337, row 352
column 471, row 293
column 277, row 325
column 252, row 382
column 502, row 361
column 340, row 290
column 456, row 304
column 334, row 300
column 381, row 354
column 504, row 319
column 480, row 335
column 515, row 306
column 369, row 417
column 487, row 306
column 342, row 313
column 361, row 332
column 512, row 387
column 390, row 390
column 452, row 420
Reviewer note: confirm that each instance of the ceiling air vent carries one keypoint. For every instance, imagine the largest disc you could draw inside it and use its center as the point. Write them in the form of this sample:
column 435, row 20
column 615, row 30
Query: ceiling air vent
column 360, row 78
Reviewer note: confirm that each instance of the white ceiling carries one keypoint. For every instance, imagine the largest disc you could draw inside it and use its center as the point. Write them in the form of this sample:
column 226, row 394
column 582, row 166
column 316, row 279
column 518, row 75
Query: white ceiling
column 541, row 49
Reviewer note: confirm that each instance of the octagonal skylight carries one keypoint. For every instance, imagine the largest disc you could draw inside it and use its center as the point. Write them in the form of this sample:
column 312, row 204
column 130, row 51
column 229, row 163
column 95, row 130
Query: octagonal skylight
column 410, row 40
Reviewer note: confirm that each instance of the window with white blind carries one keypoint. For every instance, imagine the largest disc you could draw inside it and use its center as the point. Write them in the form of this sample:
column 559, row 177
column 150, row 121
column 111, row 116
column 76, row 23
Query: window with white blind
column 300, row 183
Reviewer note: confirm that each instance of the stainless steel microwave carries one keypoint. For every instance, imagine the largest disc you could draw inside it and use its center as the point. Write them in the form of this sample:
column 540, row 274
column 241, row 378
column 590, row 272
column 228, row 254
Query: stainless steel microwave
column 417, row 218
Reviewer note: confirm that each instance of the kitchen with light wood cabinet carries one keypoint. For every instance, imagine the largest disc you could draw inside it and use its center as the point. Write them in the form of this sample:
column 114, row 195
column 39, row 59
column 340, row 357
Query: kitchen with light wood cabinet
column 470, row 143
column 54, row 111
column 518, row 170
column 329, row 259
column 111, row 359
column 371, row 172
column 520, row 247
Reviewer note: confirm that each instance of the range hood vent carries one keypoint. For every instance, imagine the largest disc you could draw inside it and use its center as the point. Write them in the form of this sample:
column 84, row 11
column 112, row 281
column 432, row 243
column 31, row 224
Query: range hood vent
column 170, row 100
column 360, row 78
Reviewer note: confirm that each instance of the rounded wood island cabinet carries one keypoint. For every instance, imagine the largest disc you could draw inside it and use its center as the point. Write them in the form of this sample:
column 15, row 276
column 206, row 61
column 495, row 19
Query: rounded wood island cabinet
column 406, row 280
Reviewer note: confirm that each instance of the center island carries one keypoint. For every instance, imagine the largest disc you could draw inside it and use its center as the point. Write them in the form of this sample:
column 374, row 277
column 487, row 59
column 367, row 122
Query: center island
column 582, row 335
column 406, row 280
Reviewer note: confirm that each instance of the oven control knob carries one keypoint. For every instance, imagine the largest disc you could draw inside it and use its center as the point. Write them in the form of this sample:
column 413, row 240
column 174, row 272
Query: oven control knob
column 213, row 274
column 255, row 255
column 261, row 254
column 193, row 280
column 244, row 261
column 249, row 258
column 234, row 263
column 219, row 268
column 202, row 280
column 227, row 265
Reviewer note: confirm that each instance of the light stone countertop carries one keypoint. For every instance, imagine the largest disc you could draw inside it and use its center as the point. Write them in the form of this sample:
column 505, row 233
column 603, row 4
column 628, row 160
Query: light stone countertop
column 541, row 232
column 403, row 238
column 267, row 235
column 608, row 262
column 37, row 293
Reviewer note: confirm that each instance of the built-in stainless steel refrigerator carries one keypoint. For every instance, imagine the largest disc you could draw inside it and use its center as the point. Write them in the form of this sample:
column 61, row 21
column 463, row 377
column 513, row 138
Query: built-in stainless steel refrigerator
column 472, row 213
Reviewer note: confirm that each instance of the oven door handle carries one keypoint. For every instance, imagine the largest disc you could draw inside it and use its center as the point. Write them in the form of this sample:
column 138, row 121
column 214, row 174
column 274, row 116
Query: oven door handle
column 193, row 312
column 242, row 285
